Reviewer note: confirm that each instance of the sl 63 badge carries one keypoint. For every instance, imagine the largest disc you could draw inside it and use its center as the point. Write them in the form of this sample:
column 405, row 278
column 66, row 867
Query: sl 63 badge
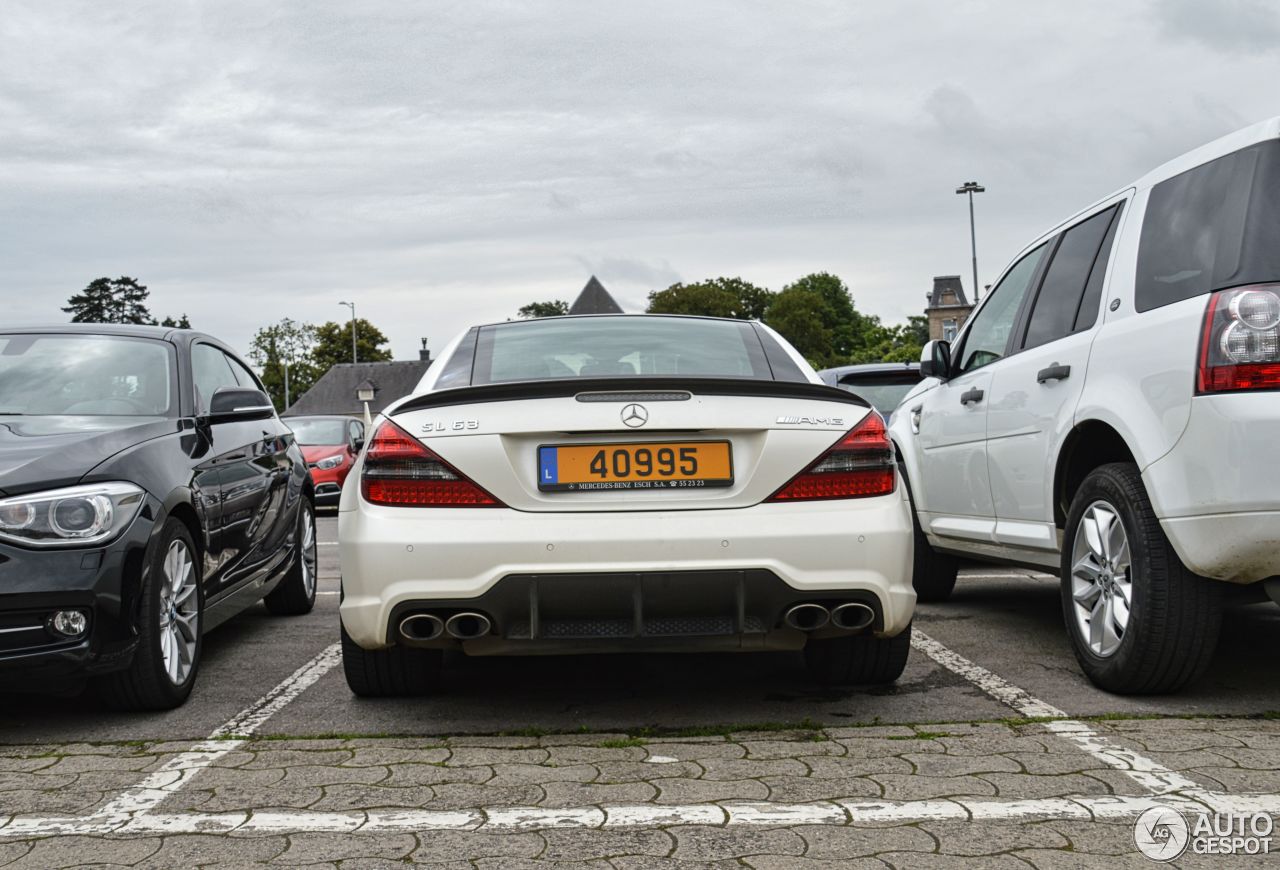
column 451, row 426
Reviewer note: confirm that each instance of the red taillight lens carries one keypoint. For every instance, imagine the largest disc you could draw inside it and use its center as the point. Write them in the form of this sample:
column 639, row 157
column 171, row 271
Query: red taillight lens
column 859, row 465
column 1240, row 341
column 402, row 472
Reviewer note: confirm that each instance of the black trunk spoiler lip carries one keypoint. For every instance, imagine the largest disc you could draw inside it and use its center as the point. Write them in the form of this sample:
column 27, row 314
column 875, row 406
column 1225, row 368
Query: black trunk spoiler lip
column 570, row 387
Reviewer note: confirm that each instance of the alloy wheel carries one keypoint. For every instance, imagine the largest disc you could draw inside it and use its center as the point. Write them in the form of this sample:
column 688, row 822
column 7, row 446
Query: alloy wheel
column 179, row 613
column 308, row 552
column 1101, row 579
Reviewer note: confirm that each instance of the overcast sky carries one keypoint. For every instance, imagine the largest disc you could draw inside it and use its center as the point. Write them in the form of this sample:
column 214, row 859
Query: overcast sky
column 442, row 164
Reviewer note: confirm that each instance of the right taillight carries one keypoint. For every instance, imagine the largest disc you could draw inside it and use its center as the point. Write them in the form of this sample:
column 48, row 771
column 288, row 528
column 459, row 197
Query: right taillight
column 400, row 471
column 1240, row 341
column 859, row 465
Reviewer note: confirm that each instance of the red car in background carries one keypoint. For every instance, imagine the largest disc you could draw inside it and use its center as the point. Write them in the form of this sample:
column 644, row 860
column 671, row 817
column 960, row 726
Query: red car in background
column 330, row 446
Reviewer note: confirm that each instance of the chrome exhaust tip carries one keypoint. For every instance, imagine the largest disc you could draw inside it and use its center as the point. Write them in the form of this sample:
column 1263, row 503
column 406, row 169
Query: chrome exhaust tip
column 421, row 626
column 806, row 617
column 468, row 626
column 853, row 616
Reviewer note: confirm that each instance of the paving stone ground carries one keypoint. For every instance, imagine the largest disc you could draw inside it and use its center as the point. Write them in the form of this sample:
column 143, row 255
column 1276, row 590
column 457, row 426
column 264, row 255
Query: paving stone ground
column 994, row 761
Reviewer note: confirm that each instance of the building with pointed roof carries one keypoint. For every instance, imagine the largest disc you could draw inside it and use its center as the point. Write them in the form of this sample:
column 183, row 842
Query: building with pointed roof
column 948, row 307
column 594, row 299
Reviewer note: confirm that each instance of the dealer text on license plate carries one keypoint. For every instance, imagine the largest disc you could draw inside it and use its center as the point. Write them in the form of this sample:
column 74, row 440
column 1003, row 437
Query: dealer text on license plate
column 654, row 465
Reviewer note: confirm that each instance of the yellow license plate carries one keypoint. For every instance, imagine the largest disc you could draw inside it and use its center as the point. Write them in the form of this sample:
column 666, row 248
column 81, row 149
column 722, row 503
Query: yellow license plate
column 652, row 465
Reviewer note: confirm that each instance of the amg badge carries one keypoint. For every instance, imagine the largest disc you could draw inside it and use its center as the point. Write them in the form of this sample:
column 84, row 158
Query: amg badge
column 812, row 421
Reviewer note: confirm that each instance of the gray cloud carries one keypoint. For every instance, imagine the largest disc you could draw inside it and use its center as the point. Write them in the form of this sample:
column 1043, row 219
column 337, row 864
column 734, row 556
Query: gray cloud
column 447, row 164
column 1229, row 26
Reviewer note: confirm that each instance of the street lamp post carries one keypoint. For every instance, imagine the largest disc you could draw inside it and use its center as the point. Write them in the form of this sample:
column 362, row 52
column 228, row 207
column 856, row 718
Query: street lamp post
column 352, row 306
column 972, row 187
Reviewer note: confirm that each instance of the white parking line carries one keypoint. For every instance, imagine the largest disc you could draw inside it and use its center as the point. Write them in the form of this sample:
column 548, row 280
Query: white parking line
column 228, row 737
column 838, row 813
column 1153, row 777
column 131, row 812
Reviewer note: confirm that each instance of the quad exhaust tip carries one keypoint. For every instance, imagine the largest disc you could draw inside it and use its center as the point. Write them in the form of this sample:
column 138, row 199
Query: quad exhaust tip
column 853, row 616
column 468, row 625
column 806, row 617
column 421, row 626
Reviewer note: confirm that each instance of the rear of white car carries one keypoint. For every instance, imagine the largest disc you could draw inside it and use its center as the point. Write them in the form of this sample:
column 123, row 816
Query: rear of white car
column 624, row 483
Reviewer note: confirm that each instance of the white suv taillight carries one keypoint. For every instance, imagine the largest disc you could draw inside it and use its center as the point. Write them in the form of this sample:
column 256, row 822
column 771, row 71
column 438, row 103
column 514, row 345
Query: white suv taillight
column 1240, row 340
column 400, row 471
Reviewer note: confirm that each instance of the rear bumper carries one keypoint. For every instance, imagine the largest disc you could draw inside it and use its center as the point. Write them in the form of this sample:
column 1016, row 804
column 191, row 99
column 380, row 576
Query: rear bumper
column 1238, row 548
column 394, row 558
column 1217, row 492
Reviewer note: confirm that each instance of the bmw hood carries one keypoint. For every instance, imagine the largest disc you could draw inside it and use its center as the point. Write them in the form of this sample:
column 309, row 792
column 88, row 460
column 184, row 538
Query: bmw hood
column 46, row 452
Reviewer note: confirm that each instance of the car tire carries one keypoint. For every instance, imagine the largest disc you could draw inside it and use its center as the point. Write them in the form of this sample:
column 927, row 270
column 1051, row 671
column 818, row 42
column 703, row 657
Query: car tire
column 860, row 659
column 933, row 574
column 165, row 662
column 393, row 672
column 1171, row 617
column 296, row 593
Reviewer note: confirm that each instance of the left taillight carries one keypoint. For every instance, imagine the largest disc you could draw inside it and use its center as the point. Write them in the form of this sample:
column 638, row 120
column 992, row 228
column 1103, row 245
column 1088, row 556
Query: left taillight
column 400, row 471
column 859, row 465
column 1240, row 341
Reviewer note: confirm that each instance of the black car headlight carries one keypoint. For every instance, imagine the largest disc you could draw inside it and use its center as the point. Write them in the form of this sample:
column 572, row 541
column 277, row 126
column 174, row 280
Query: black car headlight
column 72, row 517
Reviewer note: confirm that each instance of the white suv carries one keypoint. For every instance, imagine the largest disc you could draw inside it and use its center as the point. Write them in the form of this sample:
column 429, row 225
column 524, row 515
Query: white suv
column 1110, row 412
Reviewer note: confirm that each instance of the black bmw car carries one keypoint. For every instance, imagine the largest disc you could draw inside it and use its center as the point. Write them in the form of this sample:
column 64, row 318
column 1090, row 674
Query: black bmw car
column 148, row 492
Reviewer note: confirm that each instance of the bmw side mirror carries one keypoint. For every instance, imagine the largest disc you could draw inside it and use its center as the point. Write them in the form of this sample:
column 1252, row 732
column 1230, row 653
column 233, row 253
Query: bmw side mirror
column 239, row 403
column 935, row 360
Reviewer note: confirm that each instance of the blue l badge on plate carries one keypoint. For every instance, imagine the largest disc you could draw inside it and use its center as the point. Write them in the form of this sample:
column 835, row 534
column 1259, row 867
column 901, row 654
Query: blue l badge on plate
column 550, row 470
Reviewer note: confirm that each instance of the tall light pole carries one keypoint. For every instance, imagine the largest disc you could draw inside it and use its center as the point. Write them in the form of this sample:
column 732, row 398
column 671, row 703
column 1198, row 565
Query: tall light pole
column 352, row 306
column 972, row 187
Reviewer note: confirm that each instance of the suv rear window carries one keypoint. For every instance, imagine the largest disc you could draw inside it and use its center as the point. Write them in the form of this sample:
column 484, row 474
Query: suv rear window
column 1214, row 226
column 610, row 347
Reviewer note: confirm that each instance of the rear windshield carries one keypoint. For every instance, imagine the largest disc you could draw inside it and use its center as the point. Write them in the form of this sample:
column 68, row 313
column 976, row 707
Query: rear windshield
column 611, row 347
column 317, row 432
column 1214, row 226
column 93, row 375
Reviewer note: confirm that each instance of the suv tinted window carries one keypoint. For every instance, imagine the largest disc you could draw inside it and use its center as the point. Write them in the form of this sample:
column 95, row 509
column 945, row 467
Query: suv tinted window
column 988, row 335
column 1211, row 227
column 1088, row 313
column 1059, row 299
column 246, row 378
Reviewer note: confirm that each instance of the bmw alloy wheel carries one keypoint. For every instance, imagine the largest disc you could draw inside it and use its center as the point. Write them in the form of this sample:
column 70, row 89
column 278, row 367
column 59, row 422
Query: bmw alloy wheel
column 179, row 613
column 308, row 552
column 1101, row 579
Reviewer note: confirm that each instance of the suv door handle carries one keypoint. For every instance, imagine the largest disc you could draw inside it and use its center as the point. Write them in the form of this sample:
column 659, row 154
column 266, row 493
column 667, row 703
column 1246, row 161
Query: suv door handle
column 1054, row 372
column 972, row 395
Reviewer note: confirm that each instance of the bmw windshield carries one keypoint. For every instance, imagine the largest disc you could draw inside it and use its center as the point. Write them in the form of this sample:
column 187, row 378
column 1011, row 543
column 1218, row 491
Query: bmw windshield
column 89, row 375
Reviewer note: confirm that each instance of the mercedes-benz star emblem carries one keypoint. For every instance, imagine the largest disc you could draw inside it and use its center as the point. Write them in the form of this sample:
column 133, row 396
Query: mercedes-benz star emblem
column 635, row 415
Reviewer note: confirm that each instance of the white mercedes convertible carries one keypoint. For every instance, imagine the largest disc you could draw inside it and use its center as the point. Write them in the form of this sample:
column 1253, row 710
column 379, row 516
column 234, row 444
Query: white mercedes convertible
column 620, row 484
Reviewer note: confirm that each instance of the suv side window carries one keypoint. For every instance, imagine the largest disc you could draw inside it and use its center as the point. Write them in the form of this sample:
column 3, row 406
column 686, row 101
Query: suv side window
column 1211, row 227
column 988, row 335
column 1062, row 290
column 1087, row 316
column 211, row 371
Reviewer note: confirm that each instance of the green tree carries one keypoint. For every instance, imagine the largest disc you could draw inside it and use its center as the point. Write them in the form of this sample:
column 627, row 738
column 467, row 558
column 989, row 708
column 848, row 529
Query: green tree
column 917, row 329
column 177, row 323
column 554, row 308
column 283, row 353
column 800, row 315
column 333, row 344
column 715, row 297
column 108, row 300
